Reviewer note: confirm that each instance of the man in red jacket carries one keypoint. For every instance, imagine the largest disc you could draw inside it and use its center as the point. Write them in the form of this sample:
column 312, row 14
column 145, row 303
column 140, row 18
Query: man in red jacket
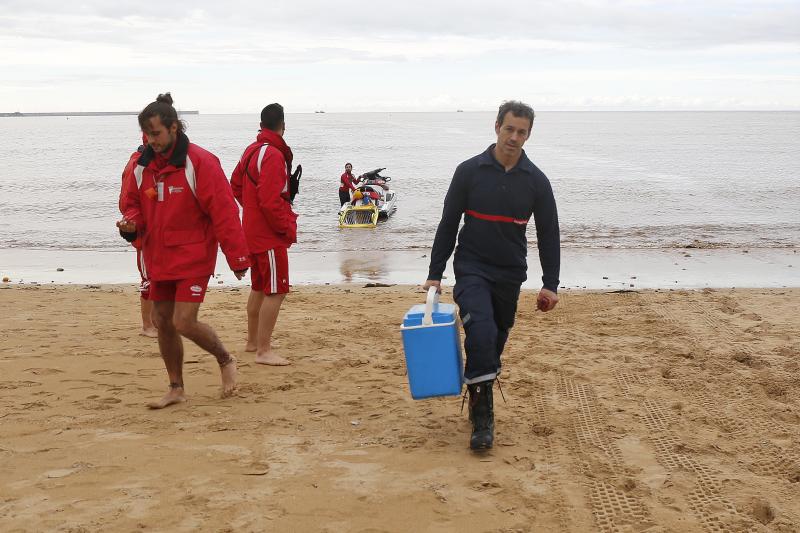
column 178, row 204
column 260, row 183
column 347, row 183
column 148, row 329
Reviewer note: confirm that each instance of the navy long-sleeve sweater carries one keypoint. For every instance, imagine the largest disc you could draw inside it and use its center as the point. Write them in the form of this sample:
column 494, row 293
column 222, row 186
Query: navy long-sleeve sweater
column 497, row 206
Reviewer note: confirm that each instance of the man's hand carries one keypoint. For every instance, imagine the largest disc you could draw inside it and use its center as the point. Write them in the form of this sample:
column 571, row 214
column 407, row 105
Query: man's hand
column 546, row 300
column 126, row 226
column 239, row 273
column 433, row 283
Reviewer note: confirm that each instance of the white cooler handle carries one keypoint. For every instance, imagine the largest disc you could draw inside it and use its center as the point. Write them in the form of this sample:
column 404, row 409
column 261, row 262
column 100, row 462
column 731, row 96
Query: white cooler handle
column 430, row 301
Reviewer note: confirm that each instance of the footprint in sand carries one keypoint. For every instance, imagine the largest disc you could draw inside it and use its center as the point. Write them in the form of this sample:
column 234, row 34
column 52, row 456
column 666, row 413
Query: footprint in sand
column 522, row 463
column 103, row 435
column 10, row 385
column 64, row 472
column 103, row 372
column 412, row 441
column 492, row 487
column 110, row 400
column 33, row 405
column 43, row 371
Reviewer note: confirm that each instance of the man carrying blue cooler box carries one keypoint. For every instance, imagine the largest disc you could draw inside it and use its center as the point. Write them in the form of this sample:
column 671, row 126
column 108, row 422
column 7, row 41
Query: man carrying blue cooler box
column 496, row 192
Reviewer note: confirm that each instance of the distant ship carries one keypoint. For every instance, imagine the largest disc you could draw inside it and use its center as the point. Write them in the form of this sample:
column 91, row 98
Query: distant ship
column 459, row 110
column 319, row 111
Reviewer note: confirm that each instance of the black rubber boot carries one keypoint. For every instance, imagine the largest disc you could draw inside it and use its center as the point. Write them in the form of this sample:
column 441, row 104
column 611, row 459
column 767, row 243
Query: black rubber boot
column 481, row 414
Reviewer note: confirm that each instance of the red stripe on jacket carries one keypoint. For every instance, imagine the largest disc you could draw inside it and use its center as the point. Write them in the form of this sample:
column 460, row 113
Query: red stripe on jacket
column 496, row 218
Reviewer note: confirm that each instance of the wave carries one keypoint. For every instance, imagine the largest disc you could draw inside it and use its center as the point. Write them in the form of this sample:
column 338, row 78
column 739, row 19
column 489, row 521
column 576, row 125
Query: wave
column 92, row 233
column 113, row 245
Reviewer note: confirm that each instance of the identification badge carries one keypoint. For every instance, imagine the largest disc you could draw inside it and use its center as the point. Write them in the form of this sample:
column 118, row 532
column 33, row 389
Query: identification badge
column 160, row 191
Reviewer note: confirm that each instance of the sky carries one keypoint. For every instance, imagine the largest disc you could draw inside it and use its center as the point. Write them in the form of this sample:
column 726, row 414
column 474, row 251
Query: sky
column 345, row 56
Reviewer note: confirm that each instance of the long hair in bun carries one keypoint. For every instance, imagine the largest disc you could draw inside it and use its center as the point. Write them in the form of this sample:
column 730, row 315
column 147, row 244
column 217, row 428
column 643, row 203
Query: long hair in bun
column 163, row 109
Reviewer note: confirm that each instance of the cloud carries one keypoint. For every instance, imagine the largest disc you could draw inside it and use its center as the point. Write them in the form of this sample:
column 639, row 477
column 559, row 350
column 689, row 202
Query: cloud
column 393, row 55
column 640, row 24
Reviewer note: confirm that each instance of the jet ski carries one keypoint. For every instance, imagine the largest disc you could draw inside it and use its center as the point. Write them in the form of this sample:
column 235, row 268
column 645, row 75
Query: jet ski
column 371, row 201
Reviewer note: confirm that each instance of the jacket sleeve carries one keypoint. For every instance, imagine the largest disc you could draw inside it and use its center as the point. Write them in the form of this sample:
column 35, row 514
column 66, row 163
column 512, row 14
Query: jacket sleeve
column 455, row 203
column 272, row 183
column 548, row 237
column 237, row 180
column 127, row 175
column 216, row 198
column 130, row 201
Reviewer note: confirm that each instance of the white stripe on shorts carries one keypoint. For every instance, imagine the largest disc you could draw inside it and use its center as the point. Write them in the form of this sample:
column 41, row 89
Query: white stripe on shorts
column 273, row 277
column 142, row 265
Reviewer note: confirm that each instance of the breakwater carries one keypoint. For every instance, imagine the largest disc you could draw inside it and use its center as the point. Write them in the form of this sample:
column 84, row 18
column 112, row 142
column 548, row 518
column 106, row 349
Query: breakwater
column 85, row 114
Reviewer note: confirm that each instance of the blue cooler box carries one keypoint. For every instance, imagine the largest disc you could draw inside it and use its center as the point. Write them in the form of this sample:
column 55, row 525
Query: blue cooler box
column 432, row 346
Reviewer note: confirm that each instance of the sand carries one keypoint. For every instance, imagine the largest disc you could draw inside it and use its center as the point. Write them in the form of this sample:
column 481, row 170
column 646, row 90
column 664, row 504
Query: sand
column 631, row 411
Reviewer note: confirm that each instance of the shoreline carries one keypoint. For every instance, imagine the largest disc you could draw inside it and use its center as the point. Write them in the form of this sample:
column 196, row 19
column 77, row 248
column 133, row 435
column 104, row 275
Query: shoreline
column 581, row 268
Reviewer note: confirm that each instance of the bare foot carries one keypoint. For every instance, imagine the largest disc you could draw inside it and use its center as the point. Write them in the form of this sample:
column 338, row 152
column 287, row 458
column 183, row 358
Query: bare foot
column 228, row 378
column 172, row 397
column 250, row 347
column 271, row 358
column 149, row 332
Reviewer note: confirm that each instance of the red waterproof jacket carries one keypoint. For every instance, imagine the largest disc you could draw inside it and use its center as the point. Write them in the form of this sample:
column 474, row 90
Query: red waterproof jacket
column 347, row 182
column 260, row 183
column 184, row 209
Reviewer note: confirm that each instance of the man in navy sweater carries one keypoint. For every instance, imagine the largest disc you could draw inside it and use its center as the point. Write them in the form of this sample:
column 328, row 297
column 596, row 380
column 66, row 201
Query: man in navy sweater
column 496, row 192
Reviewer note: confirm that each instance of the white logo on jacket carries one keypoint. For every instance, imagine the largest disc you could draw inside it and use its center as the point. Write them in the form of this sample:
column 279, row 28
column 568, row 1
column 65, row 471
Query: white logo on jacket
column 174, row 189
column 196, row 290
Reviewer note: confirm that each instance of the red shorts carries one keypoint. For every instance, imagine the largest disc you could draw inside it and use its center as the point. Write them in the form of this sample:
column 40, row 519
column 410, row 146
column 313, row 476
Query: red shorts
column 270, row 271
column 179, row 290
column 144, row 285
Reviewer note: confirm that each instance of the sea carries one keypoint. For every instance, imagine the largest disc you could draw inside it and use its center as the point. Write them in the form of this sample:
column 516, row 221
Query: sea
column 622, row 180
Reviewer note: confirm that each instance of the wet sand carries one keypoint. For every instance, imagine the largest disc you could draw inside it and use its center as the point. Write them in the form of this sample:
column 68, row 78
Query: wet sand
column 581, row 268
column 629, row 411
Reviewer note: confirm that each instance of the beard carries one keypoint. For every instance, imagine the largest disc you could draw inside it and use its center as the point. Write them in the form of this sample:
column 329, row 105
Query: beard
column 167, row 147
column 164, row 149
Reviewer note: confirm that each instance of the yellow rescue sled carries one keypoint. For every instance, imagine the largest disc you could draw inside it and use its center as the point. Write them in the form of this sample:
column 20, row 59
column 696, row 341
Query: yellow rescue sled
column 359, row 216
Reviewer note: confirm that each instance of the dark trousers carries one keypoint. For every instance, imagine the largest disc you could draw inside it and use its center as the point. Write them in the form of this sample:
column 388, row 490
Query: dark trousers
column 344, row 196
column 487, row 310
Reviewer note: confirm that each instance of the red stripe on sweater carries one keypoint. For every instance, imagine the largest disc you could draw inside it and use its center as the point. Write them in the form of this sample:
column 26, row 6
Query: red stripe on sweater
column 496, row 218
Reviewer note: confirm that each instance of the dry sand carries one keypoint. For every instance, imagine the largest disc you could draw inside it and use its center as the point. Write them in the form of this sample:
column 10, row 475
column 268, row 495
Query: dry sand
column 639, row 411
